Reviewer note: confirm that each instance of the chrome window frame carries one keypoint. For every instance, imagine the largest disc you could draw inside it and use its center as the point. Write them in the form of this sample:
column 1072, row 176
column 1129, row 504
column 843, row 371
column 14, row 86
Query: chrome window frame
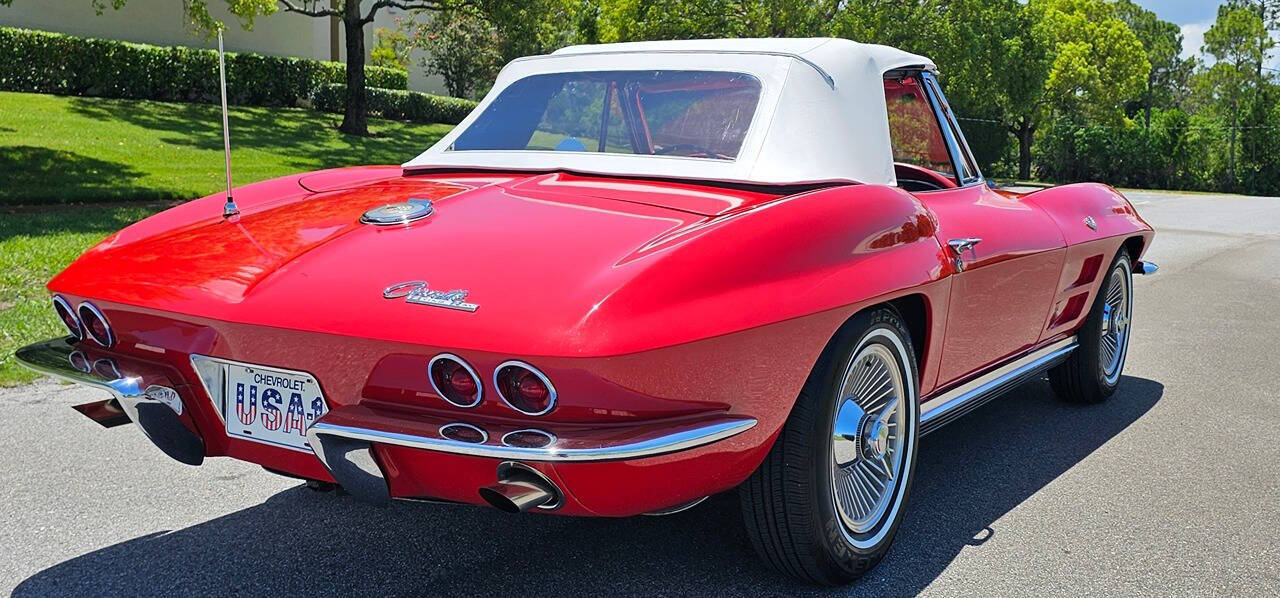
column 952, row 133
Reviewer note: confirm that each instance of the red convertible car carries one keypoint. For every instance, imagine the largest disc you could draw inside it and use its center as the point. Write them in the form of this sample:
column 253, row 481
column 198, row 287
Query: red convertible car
column 635, row 276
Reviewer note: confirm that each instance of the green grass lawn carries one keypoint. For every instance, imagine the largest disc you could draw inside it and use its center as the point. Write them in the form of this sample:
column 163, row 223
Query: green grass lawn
column 35, row 245
column 60, row 150
column 56, row 149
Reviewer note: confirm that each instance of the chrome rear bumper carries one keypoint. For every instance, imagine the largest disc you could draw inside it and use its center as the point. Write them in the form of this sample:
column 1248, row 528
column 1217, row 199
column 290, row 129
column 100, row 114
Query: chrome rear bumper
column 345, row 438
column 646, row 445
column 157, row 420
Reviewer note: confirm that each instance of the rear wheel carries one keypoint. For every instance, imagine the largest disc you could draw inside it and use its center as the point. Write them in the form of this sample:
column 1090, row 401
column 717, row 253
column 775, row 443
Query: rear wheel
column 1092, row 372
column 825, row 504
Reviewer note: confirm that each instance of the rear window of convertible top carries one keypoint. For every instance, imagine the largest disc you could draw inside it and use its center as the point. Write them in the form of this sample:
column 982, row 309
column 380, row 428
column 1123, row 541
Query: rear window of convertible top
column 698, row 114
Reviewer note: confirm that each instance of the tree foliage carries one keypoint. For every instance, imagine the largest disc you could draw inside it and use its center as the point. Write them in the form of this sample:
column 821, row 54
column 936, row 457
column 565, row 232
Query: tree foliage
column 631, row 20
column 462, row 47
column 1239, row 43
column 1064, row 89
column 1162, row 42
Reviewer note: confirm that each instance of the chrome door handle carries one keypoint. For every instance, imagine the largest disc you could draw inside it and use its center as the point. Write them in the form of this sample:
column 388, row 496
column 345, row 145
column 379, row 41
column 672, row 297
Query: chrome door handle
column 959, row 246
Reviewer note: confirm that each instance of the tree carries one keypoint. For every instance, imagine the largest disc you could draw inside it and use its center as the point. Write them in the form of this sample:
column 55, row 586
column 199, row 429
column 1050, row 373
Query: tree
column 1239, row 42
column 462, row 47
column 993, row 69
column 630, row 20
column 467, row 46
column 1162, row 42
column 912, row 25
column 1269, row 12
column 1092, row 63
column 390, row 48
column 355, row 117
column 1258, row 140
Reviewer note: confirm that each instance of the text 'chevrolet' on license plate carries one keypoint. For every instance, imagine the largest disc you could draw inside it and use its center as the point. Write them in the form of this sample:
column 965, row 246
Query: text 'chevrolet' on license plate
column 272, row 406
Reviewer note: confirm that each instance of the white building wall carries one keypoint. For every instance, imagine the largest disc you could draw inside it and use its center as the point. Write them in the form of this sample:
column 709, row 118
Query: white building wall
column 161, row 22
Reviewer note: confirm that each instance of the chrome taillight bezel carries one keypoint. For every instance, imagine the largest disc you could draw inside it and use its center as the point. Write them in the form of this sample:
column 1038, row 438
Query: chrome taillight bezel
column 551, row 388
column 475, row 377
column 60, row 302
column 444, row 432
column 107, row 343
column 549, row 438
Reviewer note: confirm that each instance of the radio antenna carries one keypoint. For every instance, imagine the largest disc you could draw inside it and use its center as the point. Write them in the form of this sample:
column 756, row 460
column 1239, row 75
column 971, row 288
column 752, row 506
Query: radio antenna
column 229, row 209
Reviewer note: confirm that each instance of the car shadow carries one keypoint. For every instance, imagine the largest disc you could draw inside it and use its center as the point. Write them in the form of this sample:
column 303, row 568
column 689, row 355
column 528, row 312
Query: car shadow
column 26, row 172
column 970, row 473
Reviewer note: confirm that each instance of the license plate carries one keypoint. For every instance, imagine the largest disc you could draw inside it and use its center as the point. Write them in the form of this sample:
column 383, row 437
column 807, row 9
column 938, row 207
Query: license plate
column 272, row 406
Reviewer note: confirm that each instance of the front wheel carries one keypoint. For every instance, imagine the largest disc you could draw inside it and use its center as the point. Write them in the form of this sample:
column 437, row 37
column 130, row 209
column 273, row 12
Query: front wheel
column 1092, row 372
column 825, row 504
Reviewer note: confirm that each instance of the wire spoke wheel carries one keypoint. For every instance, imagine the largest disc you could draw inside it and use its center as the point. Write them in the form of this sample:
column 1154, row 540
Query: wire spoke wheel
column 1116, row 311
column 869, row 435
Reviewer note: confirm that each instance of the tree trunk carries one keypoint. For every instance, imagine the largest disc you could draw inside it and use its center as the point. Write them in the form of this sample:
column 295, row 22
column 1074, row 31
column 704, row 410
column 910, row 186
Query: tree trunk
column 1149, row 98
column 355, row 118
column 1025, row 133
column 1231, row 145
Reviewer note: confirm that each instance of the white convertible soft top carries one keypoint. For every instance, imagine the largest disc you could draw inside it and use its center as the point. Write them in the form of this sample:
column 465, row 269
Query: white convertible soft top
column 821, row 116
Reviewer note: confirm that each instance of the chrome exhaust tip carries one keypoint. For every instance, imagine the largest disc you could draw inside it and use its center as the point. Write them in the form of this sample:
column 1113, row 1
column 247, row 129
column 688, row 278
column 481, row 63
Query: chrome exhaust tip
column 521, row 488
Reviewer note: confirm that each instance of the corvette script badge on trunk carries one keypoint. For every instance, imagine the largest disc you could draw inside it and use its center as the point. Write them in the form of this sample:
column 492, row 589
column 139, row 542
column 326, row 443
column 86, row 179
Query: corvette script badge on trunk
column 416, row 291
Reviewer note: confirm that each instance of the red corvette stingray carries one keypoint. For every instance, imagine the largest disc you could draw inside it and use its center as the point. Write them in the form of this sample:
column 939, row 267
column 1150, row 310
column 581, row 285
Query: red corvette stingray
column 636, row 275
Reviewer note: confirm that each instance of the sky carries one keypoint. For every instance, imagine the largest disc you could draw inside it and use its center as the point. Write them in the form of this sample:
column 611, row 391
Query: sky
column 1195, row 17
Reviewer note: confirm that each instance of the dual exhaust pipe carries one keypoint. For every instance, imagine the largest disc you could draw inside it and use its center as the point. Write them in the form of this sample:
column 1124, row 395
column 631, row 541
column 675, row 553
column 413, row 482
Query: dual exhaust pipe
column 521, row 488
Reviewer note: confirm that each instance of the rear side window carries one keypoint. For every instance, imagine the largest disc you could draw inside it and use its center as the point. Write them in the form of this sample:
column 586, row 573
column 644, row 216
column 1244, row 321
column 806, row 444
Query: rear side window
column 698, row 114
column 913, row 127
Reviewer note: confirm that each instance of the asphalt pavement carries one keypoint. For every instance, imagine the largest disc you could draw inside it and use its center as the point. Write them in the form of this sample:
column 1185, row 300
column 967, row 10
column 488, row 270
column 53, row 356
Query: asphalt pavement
column 1170, row 488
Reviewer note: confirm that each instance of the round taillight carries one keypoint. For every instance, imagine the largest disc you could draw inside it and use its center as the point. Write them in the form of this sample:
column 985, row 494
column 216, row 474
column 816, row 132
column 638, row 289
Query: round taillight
column 95, row 325
column 524, row 388
column 454, row 380
column 68, row 317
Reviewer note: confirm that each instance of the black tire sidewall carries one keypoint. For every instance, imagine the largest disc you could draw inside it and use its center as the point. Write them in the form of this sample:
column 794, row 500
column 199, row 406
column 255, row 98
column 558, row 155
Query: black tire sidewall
column 1091, row 332
column 852, row 559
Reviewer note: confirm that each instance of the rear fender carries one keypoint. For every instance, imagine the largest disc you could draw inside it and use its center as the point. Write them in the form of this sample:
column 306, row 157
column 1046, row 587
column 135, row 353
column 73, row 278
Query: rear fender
column 818, row 257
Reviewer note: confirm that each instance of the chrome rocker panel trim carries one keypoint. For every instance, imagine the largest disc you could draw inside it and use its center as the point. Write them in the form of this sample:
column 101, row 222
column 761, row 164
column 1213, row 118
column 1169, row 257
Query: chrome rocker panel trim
column 946, row 407
column 157, row 420
column 671, row 442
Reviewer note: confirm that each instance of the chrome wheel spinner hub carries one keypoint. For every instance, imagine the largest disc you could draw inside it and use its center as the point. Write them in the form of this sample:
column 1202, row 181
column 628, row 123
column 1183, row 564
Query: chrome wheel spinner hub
column 875, row 438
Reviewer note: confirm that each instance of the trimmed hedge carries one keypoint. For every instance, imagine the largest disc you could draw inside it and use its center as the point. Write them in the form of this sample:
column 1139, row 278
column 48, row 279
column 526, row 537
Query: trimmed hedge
column 44, row 62
column 397, row 104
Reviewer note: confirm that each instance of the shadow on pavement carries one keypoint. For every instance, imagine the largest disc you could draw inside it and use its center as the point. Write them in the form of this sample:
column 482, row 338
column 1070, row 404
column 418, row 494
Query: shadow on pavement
column 970, row 474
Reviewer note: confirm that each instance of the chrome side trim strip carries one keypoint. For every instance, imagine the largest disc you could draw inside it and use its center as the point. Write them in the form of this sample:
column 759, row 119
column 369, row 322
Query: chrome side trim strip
column 678, row 508
column 647, row 447
column 948, row 406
